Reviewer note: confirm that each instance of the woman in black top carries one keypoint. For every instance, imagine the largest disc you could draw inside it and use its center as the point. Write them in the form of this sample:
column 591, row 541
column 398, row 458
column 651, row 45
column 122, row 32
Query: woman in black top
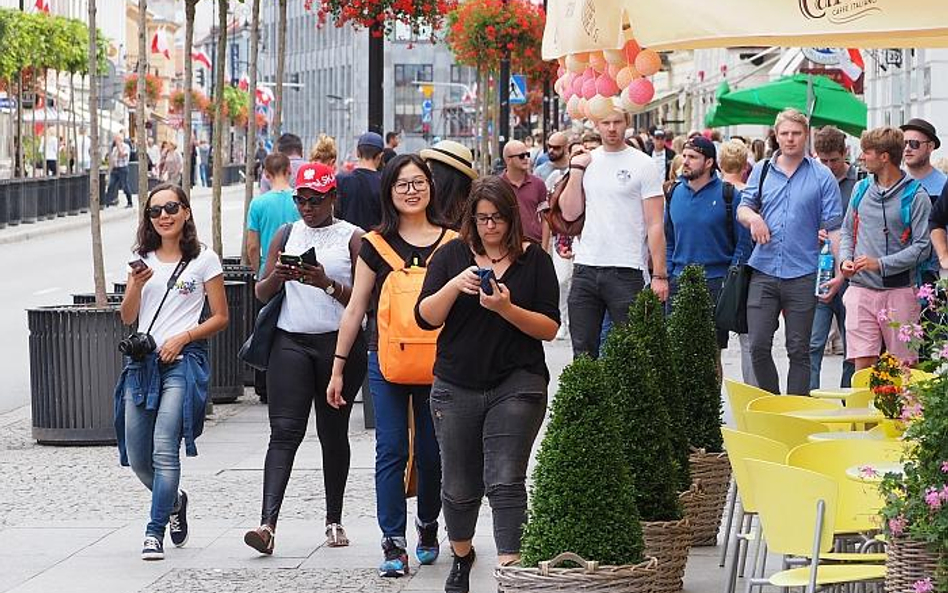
column 489, row 395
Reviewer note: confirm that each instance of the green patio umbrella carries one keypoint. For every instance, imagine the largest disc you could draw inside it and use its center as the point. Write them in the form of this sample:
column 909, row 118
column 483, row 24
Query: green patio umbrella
column 829, row 104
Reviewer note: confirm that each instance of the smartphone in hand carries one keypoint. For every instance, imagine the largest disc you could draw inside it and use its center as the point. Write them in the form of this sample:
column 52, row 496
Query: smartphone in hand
column 486, row 275
column 308, row 257
column 293, row 261
column 137, row 265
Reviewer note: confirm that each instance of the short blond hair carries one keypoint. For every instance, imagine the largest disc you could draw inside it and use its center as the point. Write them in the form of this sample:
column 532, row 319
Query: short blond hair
column 791, row 115
column 884, row 140
column 324, row 150
column 732, row 157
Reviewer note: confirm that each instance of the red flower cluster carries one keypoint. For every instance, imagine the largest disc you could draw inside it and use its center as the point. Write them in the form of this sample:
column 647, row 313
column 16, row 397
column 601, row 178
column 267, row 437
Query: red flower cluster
column 199, row 102
column 153, row 88
column 479, row 31
column 381, row 15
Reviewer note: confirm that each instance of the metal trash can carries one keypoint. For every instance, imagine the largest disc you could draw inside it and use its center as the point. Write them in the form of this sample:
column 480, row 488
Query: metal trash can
column 119, row 287
column 61, row 188
column 4, row 202
column 45, row 198
column 240, row 273
column 227, row 381
column 14, row 202
column 74, row 366
column 74, row 183
column 29, row 200
column 88, row 298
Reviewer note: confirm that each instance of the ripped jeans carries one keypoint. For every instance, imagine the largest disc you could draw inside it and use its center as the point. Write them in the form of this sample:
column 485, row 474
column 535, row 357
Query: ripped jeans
column 485, row 438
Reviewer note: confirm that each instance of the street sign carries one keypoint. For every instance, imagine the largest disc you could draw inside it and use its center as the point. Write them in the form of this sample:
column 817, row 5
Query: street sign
column 518, row 89
column 426, row 107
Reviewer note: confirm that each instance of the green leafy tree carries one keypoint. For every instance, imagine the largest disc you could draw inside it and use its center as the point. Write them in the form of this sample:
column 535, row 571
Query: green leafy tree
column 695, row 355
column 582, row 498
column 639, row 405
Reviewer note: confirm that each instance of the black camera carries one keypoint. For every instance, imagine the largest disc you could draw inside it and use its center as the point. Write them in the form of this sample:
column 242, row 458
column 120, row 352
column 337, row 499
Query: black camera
column 137, row 346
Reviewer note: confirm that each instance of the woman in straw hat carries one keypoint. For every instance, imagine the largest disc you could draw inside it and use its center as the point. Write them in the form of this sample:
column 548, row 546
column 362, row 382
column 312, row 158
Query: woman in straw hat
column 450, row 164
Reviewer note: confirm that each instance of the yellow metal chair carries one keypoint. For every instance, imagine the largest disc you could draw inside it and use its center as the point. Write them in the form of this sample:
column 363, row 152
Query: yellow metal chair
column 861, row 378
column 788, row 430
column 738, row 396
column 791, row 403
column 790, row 499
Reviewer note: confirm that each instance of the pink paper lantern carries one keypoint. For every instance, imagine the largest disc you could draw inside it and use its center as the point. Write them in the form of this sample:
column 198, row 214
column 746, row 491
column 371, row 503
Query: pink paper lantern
column 599, row 107
column 613, row 70
column 606, row 86
column 560, row 71
column 632, row 50
column 574, row 64
column 572, row 107
column 648, row 62
column 640, row 91
column 576, row 85
column 597, row 62
column 589, row 88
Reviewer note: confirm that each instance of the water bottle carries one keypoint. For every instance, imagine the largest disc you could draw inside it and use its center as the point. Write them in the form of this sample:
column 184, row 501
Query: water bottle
column 825, row 269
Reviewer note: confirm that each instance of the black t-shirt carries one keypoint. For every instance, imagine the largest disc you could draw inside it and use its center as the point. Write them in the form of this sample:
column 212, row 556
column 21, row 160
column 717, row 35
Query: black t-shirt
column 408, row 252
column 359, row 198
column 478, row 348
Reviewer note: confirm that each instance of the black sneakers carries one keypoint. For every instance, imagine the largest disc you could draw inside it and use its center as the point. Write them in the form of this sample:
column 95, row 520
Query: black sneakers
column 459, row 579
column 153, row 549
column 178, row 521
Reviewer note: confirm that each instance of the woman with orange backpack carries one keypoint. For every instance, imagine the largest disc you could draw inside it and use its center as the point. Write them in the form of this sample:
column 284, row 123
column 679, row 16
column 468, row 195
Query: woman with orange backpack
column 388, row 278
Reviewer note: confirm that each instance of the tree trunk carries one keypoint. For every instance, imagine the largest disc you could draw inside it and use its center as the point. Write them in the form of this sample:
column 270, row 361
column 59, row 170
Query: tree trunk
column 140, row 110
column 280, row 71
column 98, row 263
column 73, row 125
column 189, row 9
column 220, row 127
column 250, row 157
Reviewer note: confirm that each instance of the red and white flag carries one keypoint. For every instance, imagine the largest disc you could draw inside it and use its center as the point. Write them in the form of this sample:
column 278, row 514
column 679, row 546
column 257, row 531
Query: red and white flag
column 202, row 58
column 42, row 6
column 852, row 66
column 243, row 83
column 264, row 96
column 159, row 44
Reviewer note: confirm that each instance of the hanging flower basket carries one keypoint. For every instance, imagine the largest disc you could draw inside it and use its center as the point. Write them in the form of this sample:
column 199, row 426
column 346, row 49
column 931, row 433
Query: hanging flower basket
column 199, row 101
column 668, row 542
column 703, row 505
column 480, row 30
column 909, row 563
column 381, row 15
column 153, row 88
column 548, row 577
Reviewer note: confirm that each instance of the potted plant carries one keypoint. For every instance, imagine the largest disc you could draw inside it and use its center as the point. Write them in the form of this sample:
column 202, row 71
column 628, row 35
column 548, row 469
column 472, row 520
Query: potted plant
column 639, row 404
column 581, row 511
column 695, row 355
column 885, row 382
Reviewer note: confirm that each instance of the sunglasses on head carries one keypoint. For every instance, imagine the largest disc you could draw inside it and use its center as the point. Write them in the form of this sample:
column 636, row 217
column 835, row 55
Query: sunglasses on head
column 169, row 207
column 311, row 200
column 916, row 144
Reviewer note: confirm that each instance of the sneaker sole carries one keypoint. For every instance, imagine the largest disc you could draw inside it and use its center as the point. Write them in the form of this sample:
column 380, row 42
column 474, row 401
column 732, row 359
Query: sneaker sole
column 256, row 542
column 153, row 555
column 182, row 544
column 393, row 574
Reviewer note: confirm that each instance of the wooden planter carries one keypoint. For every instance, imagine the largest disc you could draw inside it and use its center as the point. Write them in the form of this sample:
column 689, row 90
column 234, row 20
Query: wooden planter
column 669, row 542
column 907, row 562
column 704, row 503
column 590, row 577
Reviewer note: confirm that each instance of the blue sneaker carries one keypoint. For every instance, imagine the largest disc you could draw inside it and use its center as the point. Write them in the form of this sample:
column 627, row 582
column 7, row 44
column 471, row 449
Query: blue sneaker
column 395, row 563
column 428, row 547
column 153, row 549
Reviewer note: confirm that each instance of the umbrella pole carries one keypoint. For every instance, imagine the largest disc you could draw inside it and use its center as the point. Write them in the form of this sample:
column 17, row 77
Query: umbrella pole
column 810, row 108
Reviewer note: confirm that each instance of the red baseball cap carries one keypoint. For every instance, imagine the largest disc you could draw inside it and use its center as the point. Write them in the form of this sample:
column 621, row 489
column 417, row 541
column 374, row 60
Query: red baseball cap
column 317, row 177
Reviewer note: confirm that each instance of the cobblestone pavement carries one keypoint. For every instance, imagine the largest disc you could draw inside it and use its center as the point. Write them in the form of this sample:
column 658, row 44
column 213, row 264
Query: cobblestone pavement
column 249, row 581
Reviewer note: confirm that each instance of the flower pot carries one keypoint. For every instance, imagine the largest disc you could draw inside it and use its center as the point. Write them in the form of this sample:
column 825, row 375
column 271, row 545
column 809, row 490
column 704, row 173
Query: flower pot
column 892, row 428
column 549, row 578
column 704, row 504
column 908, row 561
column 668, row 542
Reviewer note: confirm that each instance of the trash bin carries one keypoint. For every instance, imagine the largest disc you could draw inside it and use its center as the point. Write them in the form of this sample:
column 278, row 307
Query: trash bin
column 88, row 298
column 227, row 382
column 75, row 194
column 45, row 198
column 74, row 366
column 244, row 274
column 29, row 200
column 14, row 202
column 62, row 186
column 4, row 202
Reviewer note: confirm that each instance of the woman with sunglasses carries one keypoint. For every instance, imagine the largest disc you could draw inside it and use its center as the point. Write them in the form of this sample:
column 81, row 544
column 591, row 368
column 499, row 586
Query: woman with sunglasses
column 312, row 260
column 162, row 392
column 495, row 297
column 411, row 228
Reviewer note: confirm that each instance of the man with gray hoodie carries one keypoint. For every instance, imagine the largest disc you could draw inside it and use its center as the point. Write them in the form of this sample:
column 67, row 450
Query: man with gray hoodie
column 883, row 241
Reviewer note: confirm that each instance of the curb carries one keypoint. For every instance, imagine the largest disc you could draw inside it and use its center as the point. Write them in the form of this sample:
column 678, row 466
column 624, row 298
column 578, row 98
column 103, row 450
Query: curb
column 35, row 230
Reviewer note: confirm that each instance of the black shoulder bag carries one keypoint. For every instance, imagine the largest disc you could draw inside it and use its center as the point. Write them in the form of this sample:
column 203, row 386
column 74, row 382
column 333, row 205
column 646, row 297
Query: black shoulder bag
column 730, row 312
column 139, row 345
column 256, row 350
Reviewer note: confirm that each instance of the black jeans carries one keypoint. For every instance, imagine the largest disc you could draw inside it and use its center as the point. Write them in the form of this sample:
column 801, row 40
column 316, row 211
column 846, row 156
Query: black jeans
column 118, row 180
column 298, row 373
column 596, row 290
column 485, row 438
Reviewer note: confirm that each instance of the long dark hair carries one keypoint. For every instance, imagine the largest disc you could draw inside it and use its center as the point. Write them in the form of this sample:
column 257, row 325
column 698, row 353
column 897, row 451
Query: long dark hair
column 499, row 193
column 389, row 224
column 453, row 190
column 148, row 239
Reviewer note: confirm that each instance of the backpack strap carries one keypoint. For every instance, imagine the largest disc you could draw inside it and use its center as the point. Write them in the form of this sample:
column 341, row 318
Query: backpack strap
column 447, row 235
column 905, row 209
column 669, row 224
column 385, row 251
column 729, row 212
column 859, row 192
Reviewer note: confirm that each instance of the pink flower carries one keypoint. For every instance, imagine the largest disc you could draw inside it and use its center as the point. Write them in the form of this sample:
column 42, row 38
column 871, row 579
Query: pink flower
column 927, row 292
column 943, row 493
column 897, row 525
column 933, row 499
column 867, row 471
column 884, row 316
column 923, row 586
column 912, row 411
column 944, row 467
column 943, row 353
column 910, row 331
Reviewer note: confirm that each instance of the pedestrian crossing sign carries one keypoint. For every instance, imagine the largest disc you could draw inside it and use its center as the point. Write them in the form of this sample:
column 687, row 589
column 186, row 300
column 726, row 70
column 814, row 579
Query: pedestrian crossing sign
column 518, row 89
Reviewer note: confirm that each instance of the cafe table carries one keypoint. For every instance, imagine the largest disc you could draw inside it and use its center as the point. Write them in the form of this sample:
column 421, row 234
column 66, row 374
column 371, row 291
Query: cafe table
column 840, row 393
column 840, row 415
column 873, row 472
column 851, row 435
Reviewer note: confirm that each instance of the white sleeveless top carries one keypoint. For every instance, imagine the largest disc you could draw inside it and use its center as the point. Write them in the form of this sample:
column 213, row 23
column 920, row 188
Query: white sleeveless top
column 308, row 309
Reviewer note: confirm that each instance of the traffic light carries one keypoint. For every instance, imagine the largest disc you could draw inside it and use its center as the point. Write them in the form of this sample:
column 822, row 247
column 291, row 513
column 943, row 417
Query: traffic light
column 200, row 77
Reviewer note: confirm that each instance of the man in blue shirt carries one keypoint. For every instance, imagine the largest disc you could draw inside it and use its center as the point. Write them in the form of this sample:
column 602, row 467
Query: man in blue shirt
column 697, row 227
column 921, row 140
column 271, row 210
column 788, row 199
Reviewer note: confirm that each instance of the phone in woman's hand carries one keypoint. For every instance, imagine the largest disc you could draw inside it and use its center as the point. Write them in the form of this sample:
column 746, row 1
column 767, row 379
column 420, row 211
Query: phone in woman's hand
column 308, row 257
column 486, row 275
column 293, row 261
column 138, row 265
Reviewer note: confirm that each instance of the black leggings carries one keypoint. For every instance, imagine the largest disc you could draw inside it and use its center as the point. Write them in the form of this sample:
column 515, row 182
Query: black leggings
column 297, row 376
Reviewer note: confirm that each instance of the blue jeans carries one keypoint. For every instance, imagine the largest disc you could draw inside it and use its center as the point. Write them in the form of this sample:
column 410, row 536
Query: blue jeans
column 391, row 452
column 153, row 443
column 822, row 321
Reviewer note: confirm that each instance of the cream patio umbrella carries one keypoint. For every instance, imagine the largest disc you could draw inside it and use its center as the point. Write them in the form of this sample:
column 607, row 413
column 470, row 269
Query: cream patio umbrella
column 587, row 25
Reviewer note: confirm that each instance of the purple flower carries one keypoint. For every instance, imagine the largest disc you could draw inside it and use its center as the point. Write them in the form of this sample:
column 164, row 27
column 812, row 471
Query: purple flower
column 943, row 493
column 927, row 292
column 923, row 586
column 910, row 331
column 933, row 499
column 897, row 525
column 884, row 316
column 944, row 467
column 911, row 411
column 867, row 471
column 943, row 353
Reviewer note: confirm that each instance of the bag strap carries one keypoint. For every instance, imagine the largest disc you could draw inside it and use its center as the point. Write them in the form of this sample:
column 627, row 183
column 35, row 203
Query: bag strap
column 179, row 269
column 385, row 250
column 728, row 192
column 905, row 209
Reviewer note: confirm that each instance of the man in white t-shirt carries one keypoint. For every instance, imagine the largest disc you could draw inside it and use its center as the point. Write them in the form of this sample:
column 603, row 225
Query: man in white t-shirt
column 620, row 191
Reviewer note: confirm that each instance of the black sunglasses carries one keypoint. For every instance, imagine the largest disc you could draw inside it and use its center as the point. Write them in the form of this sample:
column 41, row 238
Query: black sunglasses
column 312, row 200
column 170, row 207
column 916, row 144
column 522, row 155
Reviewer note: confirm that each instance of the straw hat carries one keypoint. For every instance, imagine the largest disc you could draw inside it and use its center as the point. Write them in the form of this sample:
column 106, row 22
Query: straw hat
column 453, row 154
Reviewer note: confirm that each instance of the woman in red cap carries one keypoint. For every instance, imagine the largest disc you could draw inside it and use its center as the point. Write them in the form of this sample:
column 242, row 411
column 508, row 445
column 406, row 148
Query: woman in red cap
column 311, row 262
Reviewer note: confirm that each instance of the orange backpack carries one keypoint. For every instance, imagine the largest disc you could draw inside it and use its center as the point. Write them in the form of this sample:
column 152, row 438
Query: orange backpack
column 406, row 352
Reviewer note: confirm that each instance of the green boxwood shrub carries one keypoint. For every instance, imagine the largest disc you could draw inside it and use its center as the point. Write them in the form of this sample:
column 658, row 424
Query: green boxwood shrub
column 582, row 495
column 695, row 355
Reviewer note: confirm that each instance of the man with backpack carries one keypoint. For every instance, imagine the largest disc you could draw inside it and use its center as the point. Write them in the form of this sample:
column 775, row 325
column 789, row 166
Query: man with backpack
column 701, row 223
column 884, row 241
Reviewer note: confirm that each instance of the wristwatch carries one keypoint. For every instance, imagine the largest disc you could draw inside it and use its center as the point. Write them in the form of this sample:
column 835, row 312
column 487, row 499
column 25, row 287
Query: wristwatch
column 331, row 289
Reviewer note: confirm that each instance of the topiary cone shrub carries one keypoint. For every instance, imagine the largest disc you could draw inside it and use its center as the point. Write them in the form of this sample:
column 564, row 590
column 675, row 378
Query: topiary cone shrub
column 582, row 496
column 647, row 322
column 694, row 354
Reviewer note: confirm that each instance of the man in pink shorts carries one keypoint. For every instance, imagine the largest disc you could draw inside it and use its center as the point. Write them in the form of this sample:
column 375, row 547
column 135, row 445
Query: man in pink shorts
column 881, row 245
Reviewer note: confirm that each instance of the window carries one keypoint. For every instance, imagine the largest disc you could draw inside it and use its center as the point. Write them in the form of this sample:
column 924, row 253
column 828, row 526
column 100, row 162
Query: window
column 408, row 97
column 403, row 33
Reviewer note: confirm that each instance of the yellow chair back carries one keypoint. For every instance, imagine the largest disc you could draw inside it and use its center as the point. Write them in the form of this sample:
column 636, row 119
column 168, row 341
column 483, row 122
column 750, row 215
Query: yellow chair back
column 788, row 430
column 787, row 499
column 861, row 399
column 742, row 446
column 859, row 502
column 791, row 403
column 738, row 396
column 861, row 378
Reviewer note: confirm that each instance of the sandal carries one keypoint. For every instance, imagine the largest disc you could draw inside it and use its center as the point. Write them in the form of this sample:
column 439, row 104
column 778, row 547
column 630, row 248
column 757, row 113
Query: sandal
column 261, row 539
column 336, row 536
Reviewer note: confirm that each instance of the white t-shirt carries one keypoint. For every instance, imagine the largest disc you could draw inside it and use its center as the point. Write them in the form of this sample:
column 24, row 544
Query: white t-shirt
column 182, row 308
column 615, row 184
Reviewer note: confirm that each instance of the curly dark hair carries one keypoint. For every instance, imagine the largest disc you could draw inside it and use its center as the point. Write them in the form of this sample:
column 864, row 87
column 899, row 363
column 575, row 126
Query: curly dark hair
column 389, row 224
column 499, row 193
column 148, row 239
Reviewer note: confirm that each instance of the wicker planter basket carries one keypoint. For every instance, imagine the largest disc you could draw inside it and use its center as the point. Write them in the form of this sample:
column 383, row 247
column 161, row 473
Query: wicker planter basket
column 704, row 503
column 907, row 562
column 668, row 542
column 591, row 577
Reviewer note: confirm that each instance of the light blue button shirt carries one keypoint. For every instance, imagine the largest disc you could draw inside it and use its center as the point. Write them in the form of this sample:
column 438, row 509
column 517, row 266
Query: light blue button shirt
column 795, row 208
